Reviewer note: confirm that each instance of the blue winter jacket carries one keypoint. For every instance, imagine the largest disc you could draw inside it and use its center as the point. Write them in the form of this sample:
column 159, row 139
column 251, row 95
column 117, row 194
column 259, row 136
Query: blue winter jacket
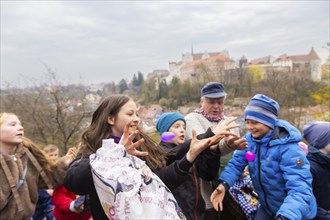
column 280, row 173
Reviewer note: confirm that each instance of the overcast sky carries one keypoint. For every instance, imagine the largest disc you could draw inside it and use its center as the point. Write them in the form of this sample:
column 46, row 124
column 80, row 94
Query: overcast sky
column 104, row 41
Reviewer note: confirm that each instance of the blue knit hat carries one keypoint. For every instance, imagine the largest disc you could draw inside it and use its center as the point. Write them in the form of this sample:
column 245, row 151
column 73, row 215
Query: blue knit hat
column 317, row 133
column 262, row 109
column 166, row 120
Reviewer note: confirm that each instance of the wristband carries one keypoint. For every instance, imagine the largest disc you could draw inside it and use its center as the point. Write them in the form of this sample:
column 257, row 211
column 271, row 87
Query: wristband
column 225, row 184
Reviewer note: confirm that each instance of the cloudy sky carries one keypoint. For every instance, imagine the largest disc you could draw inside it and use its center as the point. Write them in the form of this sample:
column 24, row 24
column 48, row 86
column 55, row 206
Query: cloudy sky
column 104, row 41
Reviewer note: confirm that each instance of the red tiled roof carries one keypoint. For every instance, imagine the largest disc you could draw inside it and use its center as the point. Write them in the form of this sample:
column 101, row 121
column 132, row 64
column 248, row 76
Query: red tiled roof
column 304, row 58
column 198, row 56
column 220, row 57
column 283, row 57
column 262, row 60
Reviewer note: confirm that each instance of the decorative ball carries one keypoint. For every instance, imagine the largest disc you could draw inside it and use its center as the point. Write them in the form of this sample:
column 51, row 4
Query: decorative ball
column 249, row 156
column 303, row 146
column 167, row 136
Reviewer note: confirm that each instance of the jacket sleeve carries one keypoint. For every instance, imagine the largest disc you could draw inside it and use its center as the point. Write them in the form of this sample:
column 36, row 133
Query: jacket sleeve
column 175, row 173
column 79, row 179
column 234, row 168
column 184, row 148
column 61, row 199
column 208, row 162
column 300, row 201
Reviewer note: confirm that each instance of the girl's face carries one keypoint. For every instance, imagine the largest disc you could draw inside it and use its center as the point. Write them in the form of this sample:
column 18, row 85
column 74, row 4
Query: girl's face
column 127, row 112
column 11, row 131
column 178, row 128
column 257, row 129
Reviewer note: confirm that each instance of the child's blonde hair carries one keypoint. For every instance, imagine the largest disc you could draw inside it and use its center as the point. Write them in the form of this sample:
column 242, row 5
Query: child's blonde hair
column 50, row 148
column 44, row 160
column 4, row 115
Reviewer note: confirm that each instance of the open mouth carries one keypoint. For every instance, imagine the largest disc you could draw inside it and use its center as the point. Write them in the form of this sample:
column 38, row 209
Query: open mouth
column 133, row 127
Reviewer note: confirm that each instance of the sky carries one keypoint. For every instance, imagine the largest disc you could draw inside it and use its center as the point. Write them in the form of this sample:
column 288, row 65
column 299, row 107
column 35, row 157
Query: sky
column 106, row 41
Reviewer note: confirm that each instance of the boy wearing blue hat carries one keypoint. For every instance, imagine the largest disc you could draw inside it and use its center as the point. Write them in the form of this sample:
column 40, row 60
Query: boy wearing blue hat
column 317, row 134
column 278, row 167
column 205, row 166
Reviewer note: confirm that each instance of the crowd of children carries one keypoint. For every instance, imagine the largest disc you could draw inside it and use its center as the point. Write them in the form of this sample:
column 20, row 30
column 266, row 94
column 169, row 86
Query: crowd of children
column 269, row 175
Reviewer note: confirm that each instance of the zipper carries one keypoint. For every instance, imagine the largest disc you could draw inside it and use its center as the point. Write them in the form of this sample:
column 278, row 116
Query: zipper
column 259, row 176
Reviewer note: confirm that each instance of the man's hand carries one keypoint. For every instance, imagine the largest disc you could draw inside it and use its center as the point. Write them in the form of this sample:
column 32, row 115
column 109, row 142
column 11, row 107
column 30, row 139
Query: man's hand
column 225, row 125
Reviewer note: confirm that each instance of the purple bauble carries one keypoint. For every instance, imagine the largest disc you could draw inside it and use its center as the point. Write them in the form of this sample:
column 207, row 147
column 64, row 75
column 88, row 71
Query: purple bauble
column 167, row 136
column 249, row 156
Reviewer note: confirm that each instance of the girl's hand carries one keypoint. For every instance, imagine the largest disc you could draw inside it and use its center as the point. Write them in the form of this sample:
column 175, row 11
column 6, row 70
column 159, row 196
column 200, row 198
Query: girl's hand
column 127, row 141
column 217, row 197
column 197, row 146
column 70, row 155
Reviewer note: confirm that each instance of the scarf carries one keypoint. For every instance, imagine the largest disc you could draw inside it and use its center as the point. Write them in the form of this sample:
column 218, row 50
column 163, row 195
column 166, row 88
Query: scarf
column 208, row 117
column 116, row 138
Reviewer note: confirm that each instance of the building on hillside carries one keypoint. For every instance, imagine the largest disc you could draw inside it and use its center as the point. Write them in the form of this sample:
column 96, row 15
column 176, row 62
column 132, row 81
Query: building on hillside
column 159, row 77
column 149, row 116
column 157, row 74
column 195, row 66
column 263, row 61
column 308, row 65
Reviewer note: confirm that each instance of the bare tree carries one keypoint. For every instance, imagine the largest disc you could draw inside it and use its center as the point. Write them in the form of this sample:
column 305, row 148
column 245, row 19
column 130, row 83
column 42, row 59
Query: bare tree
column 50, row 113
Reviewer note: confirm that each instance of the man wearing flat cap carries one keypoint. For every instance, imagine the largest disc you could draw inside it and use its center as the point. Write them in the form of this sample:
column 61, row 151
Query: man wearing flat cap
column 208, row 115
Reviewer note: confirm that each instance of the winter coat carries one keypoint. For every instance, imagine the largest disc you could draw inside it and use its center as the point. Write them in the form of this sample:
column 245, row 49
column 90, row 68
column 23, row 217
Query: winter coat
column 320, row 168
column 79, row 180
column 61, row 199
column 206, row 166
column 21, row 203
column 280, row 172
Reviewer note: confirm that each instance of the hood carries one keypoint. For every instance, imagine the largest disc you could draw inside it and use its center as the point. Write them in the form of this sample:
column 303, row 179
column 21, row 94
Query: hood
column 284, row 133
column 317, row 156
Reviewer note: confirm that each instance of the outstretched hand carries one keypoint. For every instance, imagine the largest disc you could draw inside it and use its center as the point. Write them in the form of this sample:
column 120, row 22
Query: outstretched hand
column 233, row 141
column 217, row 197
column 236, row 143
column 225, row 125
column 127, row 141
column 70, row 155
column 197, row 146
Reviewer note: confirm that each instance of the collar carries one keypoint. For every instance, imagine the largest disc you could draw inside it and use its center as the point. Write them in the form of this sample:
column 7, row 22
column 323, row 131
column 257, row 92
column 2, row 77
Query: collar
column 208, row 117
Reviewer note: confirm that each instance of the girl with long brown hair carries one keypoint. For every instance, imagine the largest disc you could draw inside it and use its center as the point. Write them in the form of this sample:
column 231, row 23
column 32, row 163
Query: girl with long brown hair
column 116, row 118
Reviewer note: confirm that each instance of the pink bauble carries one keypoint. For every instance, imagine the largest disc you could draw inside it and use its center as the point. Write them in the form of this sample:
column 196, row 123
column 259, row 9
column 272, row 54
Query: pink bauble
column 167, row 136
column 303, row 146
column 249, row 156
